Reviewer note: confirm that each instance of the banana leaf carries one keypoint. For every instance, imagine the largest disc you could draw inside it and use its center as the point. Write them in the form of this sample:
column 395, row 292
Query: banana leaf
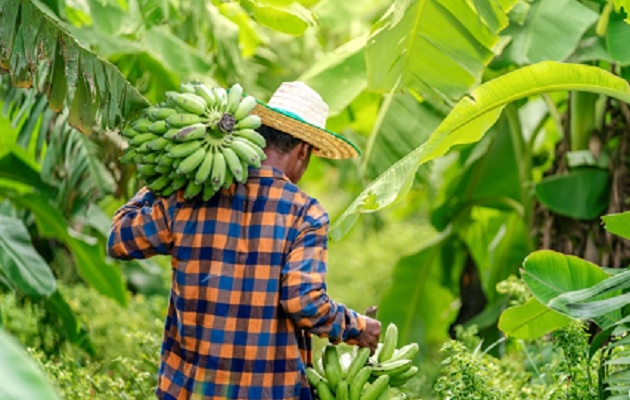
column 37, row 51
column 471, row 118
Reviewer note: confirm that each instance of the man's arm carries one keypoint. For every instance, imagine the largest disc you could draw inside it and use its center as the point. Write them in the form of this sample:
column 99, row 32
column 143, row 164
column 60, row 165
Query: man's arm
column 304, row 295
column 140, row 228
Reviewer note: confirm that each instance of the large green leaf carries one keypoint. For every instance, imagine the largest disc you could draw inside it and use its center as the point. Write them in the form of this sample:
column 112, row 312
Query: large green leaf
column 38, row 52
column 20, row 378
column 531, row 320
column 20, row 262
column 417, row 283
column 617, row 39
column 580, row 194
column 402, row 125
column 552, row 31
column 471, row 118
column 87, row 252
column 339, row 76
column 438, row 48
column 284, row 16
column 549, row 274
column 618, row 224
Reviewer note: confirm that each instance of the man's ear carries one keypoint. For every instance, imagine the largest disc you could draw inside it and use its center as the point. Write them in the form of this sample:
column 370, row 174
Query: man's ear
column 304, row 151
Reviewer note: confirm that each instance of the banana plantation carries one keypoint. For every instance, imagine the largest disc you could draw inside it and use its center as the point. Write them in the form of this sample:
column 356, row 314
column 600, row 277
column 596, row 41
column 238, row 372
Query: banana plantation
column 487, row 217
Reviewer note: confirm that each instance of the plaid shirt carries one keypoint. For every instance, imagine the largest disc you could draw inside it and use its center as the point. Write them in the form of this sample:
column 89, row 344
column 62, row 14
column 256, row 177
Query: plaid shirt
column 248, row 287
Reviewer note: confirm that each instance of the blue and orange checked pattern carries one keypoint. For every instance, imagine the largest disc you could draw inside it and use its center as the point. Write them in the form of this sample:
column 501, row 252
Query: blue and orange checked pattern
column 248, row 287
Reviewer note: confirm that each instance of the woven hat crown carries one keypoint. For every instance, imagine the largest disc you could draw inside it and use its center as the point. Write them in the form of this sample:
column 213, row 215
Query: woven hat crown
column 298, row 99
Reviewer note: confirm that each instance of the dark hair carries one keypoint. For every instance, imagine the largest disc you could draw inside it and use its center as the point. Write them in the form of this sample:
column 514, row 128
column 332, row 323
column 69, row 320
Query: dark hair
column 277, row 139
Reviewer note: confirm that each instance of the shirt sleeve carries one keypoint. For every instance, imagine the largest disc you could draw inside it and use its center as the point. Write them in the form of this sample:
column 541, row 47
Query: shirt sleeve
column 304, row 295
column 141, row 228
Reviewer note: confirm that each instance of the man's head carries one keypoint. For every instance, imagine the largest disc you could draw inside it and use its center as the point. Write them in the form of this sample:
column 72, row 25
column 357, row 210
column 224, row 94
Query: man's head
column 294, row 125
column 285, row 152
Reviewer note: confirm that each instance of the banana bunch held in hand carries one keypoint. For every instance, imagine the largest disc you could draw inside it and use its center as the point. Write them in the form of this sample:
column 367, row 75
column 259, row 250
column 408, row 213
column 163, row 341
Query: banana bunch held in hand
column 199, row 140
column 358, row 376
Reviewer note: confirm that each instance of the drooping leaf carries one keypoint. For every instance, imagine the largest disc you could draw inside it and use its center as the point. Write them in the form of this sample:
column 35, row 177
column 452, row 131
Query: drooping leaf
column 531, row 320
column 87, row 252
column 38, row 52
column 21, row 263
column 339, row 76
column 552, row 31
column 581, row 194
column 618, row 224
column 616, row 39
column 286, row 17
column 472, row 117
column 20, row 378
column 437, row 48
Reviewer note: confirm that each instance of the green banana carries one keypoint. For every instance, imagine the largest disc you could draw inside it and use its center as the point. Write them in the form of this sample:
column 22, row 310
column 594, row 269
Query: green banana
column 360, row 379
column 129, row 132
column 182, row 120
column 159, row 183
column 332, row 366
column 128, row 157
column 166, row 160
column 141, row 125
column 208, row 191
column 319, row 364
column 160, row 113
column 252, row 136
column 250, row 122
column 143, row 148
column 203, row 172
column 357, row 363
column 221, row 95
column 229, row 179
column 217, row 176
column 191, row 161
column 314, row 377
column 244, row 108
column 258, row 150
column 234, row 163
column 245, row 169
column 183, row 149
column 158, row 144
column 401, row 379
column 391, row 368
column 378, row 387
column 158, row 127
column 192, row 190
column 188, row 101
column 324, row 392
column 147, row 169
column 384, row 394
column 150, row 158
column 171, row 133
column 163, row 169
column 191, row 132
column 179, row 182
column 343, row 391
column 167, row 191
column 187, row 88
column 407, row 352
column 142, row 138
column 389, row 343
column 234, row 98
column 205, row 93
column 246, row 152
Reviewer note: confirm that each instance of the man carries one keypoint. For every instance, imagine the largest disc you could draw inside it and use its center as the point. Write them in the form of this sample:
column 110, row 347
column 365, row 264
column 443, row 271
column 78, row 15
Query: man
column 249, row 265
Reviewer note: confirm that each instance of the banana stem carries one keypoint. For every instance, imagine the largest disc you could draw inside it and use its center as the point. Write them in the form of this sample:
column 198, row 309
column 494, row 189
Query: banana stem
column 583, row 119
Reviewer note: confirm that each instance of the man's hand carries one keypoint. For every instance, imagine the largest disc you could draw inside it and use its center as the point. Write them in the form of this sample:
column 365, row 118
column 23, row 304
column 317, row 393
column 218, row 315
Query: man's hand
column 369, row 336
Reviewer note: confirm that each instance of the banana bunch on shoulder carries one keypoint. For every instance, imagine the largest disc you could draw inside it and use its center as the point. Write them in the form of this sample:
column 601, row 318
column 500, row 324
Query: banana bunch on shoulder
column 199, row 140
column 357, row 376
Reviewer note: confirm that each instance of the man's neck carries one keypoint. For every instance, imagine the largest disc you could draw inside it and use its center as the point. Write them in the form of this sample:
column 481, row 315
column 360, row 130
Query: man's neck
column 277, row 160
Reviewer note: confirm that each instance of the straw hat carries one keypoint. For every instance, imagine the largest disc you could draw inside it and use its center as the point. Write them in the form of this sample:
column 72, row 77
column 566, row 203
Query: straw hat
column 299, row 111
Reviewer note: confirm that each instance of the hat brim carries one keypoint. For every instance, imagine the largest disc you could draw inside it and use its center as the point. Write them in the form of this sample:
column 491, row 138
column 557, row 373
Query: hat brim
column 326, row 144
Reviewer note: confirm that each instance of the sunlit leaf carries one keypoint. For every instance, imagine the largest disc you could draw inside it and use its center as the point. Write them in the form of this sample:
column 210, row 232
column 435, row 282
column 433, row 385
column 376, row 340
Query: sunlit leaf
column 286, row 17
column 435, row 47
column 471, row 118
column 531, row 320
column 618, row 224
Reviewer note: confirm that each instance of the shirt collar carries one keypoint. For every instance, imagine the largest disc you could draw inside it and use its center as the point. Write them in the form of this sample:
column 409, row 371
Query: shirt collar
column 267, row 171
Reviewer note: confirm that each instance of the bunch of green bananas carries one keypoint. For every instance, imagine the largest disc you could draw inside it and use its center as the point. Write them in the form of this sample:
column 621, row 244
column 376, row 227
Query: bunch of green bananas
column 357, row 376
column 198, row 140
